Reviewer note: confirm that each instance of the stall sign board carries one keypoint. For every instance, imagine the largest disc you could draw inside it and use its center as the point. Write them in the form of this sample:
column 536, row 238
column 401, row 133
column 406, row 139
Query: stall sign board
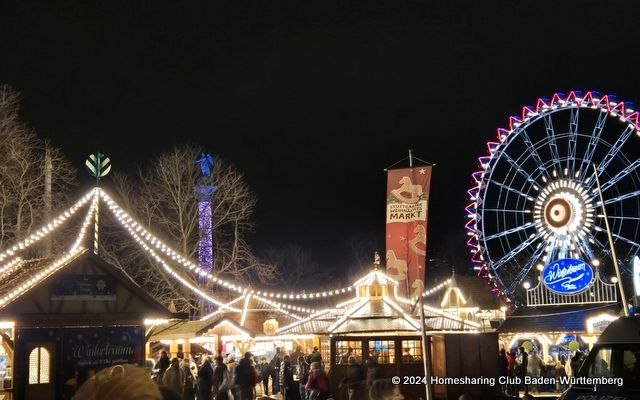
column 567, row 276
column 84, row 288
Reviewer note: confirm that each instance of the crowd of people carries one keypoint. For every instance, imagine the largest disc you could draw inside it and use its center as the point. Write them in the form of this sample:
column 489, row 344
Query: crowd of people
column 520, row 364
column 295, row 375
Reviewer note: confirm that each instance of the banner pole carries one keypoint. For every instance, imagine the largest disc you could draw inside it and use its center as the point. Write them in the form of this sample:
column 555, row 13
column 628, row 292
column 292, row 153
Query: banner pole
column 426, row 350
column 613, row 250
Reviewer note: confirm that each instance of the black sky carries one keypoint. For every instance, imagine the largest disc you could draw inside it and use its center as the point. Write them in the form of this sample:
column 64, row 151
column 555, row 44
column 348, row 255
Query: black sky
column 311, row 99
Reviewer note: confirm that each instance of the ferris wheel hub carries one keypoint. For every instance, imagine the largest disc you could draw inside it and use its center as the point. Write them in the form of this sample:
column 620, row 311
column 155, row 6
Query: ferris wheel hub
column 558, row 212
column 563, row 208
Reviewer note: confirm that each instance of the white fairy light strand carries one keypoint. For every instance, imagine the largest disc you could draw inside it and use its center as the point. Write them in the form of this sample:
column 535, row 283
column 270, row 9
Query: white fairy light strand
column 436, row 288
column 74, row 251
column 85, row 223
column 277, row 306
column 34, row 279
column 47, row 229
column 10, row 266
column 124, row 218
column 175, row 275
column 133, row 228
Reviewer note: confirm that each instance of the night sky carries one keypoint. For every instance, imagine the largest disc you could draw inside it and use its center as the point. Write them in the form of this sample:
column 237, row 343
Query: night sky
column 311, row 99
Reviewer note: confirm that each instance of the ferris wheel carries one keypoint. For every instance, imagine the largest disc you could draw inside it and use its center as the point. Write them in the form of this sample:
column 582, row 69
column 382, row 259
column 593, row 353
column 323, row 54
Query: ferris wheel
column 535, row 197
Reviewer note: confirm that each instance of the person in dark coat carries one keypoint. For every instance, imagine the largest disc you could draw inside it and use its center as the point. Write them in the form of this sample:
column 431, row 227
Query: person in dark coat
column 205, row 381
column 221, row 375
column 275, row 363
column 315, row 356
column 521, row 367
column 245, row 378
column 354, row 380
column 266, row 370
column 163, row 363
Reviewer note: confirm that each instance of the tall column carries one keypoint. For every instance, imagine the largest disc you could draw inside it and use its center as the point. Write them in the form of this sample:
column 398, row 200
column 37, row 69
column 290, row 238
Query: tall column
column 205, row 245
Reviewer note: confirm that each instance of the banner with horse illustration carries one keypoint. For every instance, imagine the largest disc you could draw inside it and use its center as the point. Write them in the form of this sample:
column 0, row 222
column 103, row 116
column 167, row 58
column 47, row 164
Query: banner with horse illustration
column 406, row 236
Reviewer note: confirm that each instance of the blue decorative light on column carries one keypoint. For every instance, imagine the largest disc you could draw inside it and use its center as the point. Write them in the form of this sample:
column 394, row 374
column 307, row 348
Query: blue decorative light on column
column 205, row 217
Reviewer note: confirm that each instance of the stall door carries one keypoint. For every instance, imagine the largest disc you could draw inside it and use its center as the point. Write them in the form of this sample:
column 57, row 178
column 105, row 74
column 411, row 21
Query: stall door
column 40, row 371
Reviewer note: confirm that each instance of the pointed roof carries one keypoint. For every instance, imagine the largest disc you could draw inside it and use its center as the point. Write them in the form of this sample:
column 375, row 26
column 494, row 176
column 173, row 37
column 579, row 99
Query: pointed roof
column 43, row 275
column 192, row 329
column 375, row 311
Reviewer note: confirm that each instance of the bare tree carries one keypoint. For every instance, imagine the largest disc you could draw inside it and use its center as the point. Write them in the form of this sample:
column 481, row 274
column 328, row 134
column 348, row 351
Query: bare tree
column 162, row 197
column 362, row 246
column 23, row 173
column 298, row 269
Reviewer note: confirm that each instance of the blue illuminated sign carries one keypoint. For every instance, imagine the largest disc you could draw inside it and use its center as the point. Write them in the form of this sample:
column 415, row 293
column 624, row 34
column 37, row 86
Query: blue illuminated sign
column 567, row 276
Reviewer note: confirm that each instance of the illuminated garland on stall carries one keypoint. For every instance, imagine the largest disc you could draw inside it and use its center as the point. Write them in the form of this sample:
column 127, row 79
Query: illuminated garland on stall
column 47, row 229
column 73, row 252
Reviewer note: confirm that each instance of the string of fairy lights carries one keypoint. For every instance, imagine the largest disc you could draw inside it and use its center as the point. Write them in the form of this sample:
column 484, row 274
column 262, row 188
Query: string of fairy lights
column 124, row 218
column 152, row 245
column 73, row 252
column 47, row 229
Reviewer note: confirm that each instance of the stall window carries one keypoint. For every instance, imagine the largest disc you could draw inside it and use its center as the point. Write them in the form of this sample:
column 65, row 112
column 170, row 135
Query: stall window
column 411, row 351
column 346, row 349
column 383, row 351
column 39, row 361
column 325, row 350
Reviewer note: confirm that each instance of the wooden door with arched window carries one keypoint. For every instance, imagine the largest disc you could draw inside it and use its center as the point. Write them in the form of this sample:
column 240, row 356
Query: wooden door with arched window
column 40, row 371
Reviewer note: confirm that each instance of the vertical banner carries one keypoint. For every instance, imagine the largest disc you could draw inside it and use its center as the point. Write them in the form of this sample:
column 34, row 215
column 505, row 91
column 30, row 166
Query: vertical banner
column 406, row 236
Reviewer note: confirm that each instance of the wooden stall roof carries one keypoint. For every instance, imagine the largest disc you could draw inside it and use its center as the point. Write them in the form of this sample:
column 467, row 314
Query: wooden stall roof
column 191, row 329
column 22, row 308
column 554, row 319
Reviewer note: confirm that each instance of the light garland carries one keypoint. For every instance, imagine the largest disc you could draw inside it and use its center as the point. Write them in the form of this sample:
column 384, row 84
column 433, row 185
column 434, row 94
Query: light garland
column 174, row 274
column 36, row 278
column 124, row 218
column 277, row 306
column 91, row 213
column 73, row 252
column 47, row 229
column 436, row 288
column 305, row 320
column 213, row 314
column 10, row 266
column 399, row 310
column 243, row 317
column 346, row 315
